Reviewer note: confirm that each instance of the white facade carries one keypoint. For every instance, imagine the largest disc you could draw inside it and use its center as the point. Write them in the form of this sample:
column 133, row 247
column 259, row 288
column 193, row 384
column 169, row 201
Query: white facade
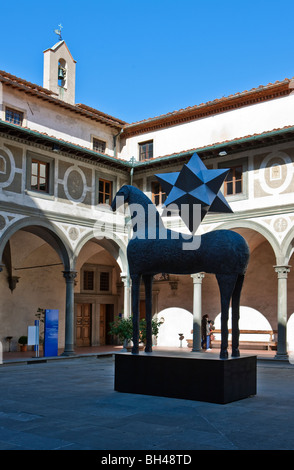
column 218, row 128
column 48, row 239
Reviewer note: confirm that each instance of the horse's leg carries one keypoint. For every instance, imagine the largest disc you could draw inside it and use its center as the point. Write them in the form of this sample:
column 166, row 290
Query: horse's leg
column 236, row 315
column 226, row 284
column 148, row 294
column 136, row 279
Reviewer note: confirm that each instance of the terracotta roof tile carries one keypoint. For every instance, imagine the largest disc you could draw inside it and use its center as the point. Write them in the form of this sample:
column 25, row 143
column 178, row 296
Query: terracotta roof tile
column 43, row 93
column 262, row 92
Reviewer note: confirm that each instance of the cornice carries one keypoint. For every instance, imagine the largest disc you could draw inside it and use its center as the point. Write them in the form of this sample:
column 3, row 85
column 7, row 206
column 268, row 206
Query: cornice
column 36, row 139
column 247, row 98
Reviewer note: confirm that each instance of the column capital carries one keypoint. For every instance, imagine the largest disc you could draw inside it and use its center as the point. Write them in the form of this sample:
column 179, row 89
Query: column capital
column 282, row 271
column 197, row 277
column 69, row 275
column 124, row 277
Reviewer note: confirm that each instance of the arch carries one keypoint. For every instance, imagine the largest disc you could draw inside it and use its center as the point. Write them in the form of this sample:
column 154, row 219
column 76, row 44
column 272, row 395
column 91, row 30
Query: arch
column 113, row 245
column 62, row 73
column 45, row 230
column 250, row 319
column 248, row 224
column 288, row 246
column 176, row 320
column 290, row 333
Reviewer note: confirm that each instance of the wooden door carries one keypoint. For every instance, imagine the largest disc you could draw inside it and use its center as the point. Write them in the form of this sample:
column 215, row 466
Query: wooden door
column 83, row 326
column 102, row 324
column 142, row 309
column 106, row 316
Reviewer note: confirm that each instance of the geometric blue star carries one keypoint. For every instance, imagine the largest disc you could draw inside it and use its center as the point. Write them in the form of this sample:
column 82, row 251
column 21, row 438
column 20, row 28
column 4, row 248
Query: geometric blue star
column 195, row 184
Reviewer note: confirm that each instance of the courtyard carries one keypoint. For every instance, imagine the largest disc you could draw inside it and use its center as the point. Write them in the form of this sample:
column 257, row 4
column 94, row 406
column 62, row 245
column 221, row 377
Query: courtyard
column 71, row 404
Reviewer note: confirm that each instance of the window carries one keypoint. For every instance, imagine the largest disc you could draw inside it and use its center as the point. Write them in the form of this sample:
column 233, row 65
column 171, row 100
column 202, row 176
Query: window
column 105, row 192
column 14, row 116
column 104, row 281
column 88, row 280
column 99, row 145
column 39, row 176
column 158, row 195
column 146, row 150
column 234, row 181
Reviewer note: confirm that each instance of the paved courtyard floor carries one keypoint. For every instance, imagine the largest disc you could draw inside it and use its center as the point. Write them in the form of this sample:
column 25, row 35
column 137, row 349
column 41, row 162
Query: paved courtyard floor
column 70, row 404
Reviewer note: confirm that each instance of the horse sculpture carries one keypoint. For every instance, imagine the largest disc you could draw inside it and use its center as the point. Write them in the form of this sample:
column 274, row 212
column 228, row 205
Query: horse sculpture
column 221, row 252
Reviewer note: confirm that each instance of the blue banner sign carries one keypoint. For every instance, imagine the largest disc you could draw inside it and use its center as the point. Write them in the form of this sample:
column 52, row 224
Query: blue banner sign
column 51, row 333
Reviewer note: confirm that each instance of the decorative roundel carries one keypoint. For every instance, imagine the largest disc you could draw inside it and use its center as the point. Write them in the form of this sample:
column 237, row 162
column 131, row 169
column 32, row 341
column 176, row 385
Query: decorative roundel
column 2, row 222
column 73, row 233
column 279, row 172
column 280, row 224
column 75, row 184
column 7, row 167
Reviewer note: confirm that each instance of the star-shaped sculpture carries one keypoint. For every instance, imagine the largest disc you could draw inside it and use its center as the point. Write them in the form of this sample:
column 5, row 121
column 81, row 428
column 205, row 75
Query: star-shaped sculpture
column 195, row 184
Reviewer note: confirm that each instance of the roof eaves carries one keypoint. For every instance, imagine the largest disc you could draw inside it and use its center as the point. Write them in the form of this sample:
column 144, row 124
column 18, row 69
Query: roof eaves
column 44, row 94
column 64, row 145
column 262, row 93
column 218, row 146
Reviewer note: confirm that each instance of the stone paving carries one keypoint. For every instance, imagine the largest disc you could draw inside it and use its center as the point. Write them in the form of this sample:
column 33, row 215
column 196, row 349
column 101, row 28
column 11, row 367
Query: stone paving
column 72, row 405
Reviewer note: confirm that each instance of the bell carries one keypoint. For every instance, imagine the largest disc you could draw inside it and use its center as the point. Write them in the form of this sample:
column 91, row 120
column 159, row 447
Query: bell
column 60, row 73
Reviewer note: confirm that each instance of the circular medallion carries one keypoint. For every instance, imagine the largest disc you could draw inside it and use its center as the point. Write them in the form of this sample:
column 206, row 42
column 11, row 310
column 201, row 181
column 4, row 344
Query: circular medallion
column 280, row 225
column 275, row 173
column 2, row 222
column 73, row 233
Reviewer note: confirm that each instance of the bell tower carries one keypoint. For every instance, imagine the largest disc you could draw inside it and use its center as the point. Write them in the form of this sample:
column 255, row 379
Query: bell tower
column 60, row 72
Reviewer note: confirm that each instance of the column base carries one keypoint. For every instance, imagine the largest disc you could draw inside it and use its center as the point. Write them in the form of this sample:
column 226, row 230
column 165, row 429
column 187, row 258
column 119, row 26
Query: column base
column 282, row 357
column 68, row 352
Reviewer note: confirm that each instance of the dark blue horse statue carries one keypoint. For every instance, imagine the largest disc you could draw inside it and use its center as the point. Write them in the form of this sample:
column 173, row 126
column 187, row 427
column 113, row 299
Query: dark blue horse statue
column 154, row 249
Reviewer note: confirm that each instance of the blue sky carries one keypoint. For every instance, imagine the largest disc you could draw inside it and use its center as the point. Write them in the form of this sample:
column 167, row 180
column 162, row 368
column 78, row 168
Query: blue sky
column 139, row 59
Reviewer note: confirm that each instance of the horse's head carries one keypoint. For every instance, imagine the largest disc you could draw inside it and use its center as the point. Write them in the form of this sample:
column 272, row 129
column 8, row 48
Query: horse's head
column 120, row 198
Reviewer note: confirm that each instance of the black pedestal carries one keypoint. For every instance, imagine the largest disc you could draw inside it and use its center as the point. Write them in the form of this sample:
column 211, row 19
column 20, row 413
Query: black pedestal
column 191, row 377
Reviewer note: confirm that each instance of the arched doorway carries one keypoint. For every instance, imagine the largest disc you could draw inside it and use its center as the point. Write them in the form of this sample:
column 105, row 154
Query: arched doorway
column 34, row 257
column 99, row 290
column 176, row 321
column 260, row 285
column 250, row 320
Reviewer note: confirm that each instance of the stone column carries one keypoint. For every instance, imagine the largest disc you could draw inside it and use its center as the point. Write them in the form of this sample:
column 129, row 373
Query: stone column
column 69, row 313
column 127, row 294
column 282, row 272
column 197, row 310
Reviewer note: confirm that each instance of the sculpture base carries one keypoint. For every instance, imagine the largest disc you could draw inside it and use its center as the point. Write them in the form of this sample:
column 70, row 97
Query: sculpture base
column 187, row 377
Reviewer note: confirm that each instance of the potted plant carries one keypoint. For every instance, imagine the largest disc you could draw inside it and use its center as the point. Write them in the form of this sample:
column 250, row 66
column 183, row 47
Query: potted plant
column 123, row 328
column 23, row 341
column 155, row 324
column 41, row 317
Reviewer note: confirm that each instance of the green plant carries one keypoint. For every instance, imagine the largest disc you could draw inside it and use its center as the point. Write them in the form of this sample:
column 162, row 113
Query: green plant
column 155, row 324
column 123, row 328
column 41, row 317
column 23, row 340
column 40, row 314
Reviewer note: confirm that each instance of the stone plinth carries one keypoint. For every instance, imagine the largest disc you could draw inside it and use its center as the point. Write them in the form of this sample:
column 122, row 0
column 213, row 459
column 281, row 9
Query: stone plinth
column 187, row 377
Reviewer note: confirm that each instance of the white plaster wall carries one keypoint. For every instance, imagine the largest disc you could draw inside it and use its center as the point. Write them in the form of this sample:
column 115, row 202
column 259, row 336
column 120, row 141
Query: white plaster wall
column 229, row 125
column 47, row 118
